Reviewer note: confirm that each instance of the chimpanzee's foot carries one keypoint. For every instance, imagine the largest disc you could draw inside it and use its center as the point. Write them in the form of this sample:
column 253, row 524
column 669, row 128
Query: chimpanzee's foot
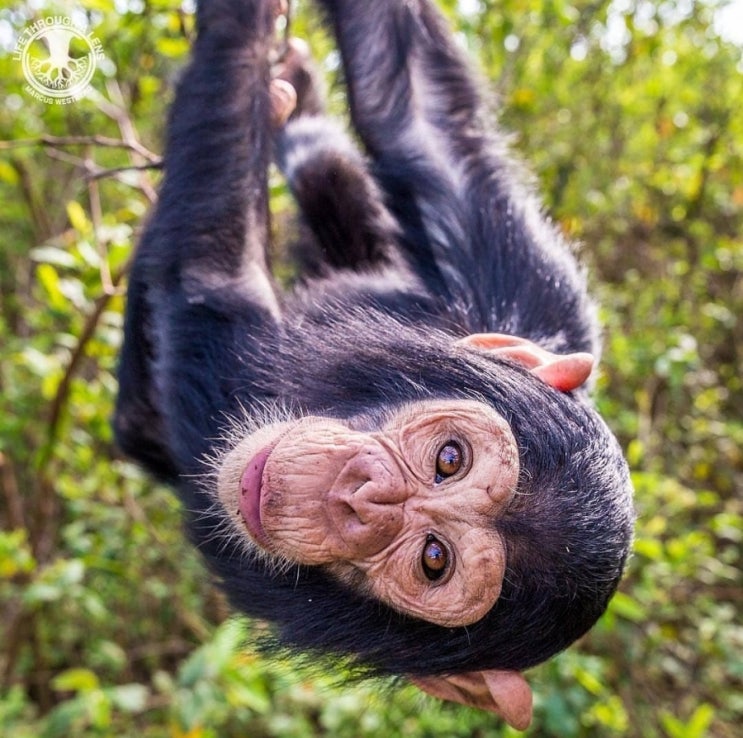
column 283, row 101
column 297, row 67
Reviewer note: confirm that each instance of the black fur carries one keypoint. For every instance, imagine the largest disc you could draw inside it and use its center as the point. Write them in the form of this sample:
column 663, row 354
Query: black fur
column 431, row 238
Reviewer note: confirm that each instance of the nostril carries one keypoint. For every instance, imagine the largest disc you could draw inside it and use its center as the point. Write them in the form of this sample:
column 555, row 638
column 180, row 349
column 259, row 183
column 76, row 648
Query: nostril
column 359, row 487
column 349, row 513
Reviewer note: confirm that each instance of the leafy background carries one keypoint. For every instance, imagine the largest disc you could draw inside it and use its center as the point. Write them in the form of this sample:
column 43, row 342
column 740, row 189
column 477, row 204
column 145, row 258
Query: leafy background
column 629, row 112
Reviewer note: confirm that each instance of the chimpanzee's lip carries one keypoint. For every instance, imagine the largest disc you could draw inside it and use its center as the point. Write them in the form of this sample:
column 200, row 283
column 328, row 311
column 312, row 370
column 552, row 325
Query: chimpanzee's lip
column 251, row 484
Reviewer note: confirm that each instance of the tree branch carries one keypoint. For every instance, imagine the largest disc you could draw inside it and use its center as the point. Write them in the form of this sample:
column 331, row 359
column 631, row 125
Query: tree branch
column 102, row 173
column 63, row 389
column 63, row 141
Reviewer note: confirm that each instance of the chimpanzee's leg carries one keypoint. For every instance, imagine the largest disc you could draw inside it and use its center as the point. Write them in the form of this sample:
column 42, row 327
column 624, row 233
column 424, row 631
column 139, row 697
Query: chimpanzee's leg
column 200, row 288
column 339, row 200
column 341, row 204
column 471, row 229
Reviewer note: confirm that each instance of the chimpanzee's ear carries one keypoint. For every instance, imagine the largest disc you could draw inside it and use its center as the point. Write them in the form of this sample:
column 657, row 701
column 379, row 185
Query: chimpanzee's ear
column 564, row 372
column 505, row 693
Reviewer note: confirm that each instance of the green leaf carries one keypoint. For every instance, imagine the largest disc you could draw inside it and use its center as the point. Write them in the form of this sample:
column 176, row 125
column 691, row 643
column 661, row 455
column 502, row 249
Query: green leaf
column 130, row 697
column 49, row 280
column 8, row 173
column 77, row 217
column 76, row 680
column 172, row 47
column 53, row 255
column 627, row 607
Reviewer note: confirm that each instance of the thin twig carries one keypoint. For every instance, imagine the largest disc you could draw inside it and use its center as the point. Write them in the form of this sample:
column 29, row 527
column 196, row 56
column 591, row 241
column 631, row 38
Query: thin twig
column 102, row 173
column 92, row 171
column 62, row 141
column 116, row 109
column 40, row 220
column 75, row 161
column 96, row 218
column 87, row 333
column 11, row 493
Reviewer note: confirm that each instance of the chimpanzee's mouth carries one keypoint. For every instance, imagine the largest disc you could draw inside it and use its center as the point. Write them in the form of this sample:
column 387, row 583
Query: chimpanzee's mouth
column 249, row 502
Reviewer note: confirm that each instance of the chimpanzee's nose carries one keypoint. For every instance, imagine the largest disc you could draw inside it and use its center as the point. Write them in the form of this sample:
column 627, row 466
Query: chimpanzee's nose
column 365, row 502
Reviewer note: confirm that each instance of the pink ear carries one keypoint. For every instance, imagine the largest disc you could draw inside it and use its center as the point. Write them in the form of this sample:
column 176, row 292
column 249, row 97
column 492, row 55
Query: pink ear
column 564, row 372
column 505, row 693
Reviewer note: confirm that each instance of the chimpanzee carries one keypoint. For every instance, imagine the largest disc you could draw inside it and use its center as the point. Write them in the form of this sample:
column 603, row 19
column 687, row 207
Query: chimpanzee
column 396, row 461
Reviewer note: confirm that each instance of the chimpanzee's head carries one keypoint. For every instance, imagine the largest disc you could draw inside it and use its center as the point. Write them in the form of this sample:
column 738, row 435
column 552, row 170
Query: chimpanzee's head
column 441, row 509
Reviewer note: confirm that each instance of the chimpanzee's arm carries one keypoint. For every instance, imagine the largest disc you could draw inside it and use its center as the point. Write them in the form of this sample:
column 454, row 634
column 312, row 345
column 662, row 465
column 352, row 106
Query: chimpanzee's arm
column 451, row 184
column 411, row 94
column 199, row 286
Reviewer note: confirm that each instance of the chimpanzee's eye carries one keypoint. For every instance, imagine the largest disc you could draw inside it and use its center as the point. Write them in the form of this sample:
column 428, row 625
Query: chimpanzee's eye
column 435, row 558
column 449, row 460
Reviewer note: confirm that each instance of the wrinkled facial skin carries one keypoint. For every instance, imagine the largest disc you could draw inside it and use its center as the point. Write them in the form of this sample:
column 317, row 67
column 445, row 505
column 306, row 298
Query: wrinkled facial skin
column 404, row 512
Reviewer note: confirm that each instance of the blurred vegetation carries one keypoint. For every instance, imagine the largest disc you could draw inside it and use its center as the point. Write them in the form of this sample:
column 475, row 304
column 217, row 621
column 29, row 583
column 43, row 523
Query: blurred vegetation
column 629, row 113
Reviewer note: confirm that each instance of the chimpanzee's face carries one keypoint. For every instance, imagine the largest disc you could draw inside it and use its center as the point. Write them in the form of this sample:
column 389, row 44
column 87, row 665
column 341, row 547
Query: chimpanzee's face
column 404, row 512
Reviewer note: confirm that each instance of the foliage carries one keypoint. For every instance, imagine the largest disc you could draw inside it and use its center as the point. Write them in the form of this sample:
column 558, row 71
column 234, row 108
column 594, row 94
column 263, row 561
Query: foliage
column 629, row 113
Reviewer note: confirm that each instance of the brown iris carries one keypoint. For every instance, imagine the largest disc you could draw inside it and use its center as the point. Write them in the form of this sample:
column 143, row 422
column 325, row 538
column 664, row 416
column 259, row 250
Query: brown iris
column 435, row 558
column 448, row 460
